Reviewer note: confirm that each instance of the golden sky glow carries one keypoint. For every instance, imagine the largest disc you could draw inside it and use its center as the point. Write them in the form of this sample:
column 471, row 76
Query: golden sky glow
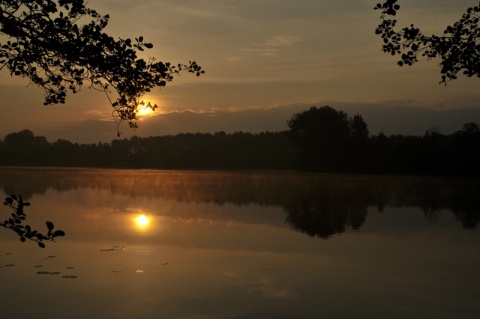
column 272, row 56
column 145, row 109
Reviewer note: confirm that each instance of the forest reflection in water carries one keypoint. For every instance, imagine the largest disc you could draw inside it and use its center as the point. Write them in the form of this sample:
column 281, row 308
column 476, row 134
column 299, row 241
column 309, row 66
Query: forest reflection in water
column 315, row 204
column 186, row 244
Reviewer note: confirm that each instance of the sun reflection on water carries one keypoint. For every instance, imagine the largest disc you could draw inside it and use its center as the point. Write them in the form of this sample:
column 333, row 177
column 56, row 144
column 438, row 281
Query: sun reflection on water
column 142, row 221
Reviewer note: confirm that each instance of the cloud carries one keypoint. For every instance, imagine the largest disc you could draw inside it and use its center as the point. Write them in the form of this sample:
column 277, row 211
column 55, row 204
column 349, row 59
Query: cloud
column 273, row 44
column 97, row 115
column 389, row 117
column 234, row 58
column 281, row 40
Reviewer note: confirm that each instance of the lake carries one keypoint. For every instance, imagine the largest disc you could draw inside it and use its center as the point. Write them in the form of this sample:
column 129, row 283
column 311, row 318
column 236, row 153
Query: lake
column 241, row 245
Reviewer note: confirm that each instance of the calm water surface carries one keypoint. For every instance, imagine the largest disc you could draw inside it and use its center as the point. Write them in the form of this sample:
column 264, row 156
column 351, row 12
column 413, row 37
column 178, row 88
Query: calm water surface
column 170, row 244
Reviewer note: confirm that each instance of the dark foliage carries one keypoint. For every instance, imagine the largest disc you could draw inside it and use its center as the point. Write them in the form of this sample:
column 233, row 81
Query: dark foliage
column 328, row 140
column 18, row 216
column 458, row 47
column 183, row 151
column 60, row 44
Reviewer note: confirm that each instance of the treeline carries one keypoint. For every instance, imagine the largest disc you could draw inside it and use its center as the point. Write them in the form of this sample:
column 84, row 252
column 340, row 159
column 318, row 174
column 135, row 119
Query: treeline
column 319, row 139
column 328, row 140
column 183, row 151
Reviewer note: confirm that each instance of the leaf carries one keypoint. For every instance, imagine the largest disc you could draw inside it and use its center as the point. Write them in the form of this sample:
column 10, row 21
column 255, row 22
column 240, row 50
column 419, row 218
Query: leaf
column 58, row 233
column 9, row 201
column 42, row 245
column 50, row 225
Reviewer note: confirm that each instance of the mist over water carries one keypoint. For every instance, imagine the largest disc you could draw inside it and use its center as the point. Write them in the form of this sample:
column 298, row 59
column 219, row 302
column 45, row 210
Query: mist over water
column 183, row 244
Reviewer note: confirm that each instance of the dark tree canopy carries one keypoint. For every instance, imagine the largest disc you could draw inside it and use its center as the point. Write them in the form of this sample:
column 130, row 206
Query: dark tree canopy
column 59, row 45
column 327, row 139
column 458, row 47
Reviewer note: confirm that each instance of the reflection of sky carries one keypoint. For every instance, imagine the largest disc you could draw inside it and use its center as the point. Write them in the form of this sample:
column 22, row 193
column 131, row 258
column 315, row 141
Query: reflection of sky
column 199, row 259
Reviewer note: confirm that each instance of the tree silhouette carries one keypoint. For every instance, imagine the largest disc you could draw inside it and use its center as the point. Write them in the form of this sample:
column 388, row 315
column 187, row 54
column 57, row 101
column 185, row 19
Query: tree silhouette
column 326, row 212
column 458, row 46
column 59, row 45
column 466, row 146
column 14, row 223
column 327, row 140
column 25, row 148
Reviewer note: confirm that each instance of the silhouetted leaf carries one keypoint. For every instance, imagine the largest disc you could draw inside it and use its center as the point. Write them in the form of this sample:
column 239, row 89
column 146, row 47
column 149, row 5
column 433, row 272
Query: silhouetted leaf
column 457, row 46
column 50, row 225
column 58, row 233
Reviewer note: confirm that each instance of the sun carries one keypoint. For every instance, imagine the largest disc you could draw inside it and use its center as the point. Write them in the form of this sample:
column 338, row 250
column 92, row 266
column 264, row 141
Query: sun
column 145, row 108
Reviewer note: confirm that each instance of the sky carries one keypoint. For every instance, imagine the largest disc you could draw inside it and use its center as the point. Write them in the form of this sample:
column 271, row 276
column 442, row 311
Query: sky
column 265, row 61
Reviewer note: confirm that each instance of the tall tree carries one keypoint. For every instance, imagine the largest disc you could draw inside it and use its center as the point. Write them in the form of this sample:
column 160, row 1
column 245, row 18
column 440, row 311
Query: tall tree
column 24, row 148
column 458, row 47
column 324, row 138
column 60, row 44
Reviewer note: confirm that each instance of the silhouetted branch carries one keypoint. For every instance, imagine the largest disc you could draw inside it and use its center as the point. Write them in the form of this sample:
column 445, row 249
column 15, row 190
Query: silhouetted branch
column 61, row 46
column 458, row 46
column 14, row 223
